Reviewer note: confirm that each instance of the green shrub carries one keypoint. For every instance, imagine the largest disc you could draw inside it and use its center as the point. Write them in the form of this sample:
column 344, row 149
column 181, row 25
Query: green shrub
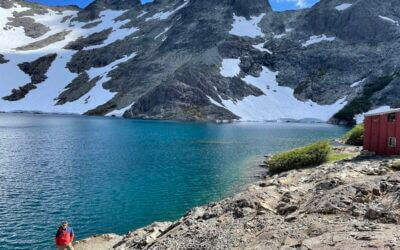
column 355, row 136
column 304, row 157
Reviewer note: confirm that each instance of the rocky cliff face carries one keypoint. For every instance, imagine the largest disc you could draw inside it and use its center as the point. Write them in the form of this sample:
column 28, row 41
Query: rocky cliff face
column 205, row 60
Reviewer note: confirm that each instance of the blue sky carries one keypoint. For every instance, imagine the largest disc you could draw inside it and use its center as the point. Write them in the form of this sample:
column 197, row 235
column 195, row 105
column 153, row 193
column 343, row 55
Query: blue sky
column 278, row 5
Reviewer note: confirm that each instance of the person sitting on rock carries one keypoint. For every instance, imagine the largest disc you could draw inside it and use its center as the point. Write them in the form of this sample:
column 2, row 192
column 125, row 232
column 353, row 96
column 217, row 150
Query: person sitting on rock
column 64, row 237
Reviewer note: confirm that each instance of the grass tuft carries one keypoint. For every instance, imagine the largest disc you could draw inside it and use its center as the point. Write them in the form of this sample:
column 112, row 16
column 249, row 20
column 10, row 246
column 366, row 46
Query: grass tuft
column 332, row 157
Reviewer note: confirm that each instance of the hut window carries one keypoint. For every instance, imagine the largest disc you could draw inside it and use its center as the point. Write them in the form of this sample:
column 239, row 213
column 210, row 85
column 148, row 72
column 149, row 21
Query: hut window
column 392, row 142
column 392, row 117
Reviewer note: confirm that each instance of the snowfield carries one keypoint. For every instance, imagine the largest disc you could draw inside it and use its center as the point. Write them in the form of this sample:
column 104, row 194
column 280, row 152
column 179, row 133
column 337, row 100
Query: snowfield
column 107, row 21
column 13, row 37
column 230, row 67
column 260, row 47
column 43, row 97
column 343, row 6
column 356, row 84
column 243, row 27
column 317, row 39
column 278, row 102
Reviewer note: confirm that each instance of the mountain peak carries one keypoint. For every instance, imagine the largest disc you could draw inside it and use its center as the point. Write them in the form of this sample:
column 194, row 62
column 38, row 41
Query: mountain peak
column 250, row 8
column 114, row 4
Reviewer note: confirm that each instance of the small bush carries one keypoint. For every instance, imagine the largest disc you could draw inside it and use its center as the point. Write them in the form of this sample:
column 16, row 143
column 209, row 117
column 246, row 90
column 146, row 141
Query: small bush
column 355, row 136
column 304, row 157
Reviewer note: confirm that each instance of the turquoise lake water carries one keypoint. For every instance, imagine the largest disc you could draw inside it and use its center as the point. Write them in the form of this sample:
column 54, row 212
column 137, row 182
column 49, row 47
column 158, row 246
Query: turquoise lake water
column 113, row 175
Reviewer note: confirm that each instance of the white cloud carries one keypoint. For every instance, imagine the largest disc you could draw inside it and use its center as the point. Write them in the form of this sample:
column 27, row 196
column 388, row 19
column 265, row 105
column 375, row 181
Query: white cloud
column 299, row 3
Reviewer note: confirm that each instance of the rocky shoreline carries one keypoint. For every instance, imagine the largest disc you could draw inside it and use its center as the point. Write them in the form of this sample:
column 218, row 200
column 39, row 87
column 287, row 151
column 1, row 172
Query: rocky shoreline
column 350, row 204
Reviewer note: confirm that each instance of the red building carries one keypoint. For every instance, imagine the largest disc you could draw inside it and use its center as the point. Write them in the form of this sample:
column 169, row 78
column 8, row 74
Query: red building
column 382, row 133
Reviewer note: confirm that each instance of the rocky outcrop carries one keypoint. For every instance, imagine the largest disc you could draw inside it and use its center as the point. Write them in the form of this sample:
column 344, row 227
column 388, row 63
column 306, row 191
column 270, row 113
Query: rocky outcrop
column 351, row 204
column 45, row 42
column 92, row 11
column 25, row 18
column 31, row 28
column 80, row 86
column 37, row 71
column 93, row 39
column 3, row 60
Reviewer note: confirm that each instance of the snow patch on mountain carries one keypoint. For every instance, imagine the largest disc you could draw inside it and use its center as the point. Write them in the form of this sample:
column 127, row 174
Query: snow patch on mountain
column 230, row 67
column 215, row 102
column 107, row 19
column 360, row 117
column 278, row 102
column 13, row 37
column 97, row 95
column 260, row 47
column 279, row 36
column 343, row 6
column 317, row 39
column 42, row 98
column 120, row 112
column 162, row 33
column 389, row 20
column 356, row 84
column 243, row 27
column 7, row 32
column 142, row 14
column 11, row 75
column 165, row 15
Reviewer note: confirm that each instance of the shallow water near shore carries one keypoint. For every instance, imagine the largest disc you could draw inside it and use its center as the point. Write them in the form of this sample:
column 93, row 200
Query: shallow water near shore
column 114, row 175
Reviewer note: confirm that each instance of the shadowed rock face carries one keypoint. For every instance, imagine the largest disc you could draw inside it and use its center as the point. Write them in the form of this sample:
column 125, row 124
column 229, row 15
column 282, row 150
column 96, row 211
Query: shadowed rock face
column 80, row 86
column 94, row 39
column 358, row 24
column 37, row 71
column 247, row 9
column 3, row 60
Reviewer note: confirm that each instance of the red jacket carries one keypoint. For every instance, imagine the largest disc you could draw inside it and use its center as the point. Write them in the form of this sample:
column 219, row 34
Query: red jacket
column 64, row 236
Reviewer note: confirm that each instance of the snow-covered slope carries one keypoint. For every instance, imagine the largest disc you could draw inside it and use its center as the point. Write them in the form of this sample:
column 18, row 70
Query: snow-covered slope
column 278, row 102
column 58, row 76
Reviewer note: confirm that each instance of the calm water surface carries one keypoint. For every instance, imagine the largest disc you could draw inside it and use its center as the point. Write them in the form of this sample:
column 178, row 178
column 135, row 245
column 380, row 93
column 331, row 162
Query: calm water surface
column 113, row 175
